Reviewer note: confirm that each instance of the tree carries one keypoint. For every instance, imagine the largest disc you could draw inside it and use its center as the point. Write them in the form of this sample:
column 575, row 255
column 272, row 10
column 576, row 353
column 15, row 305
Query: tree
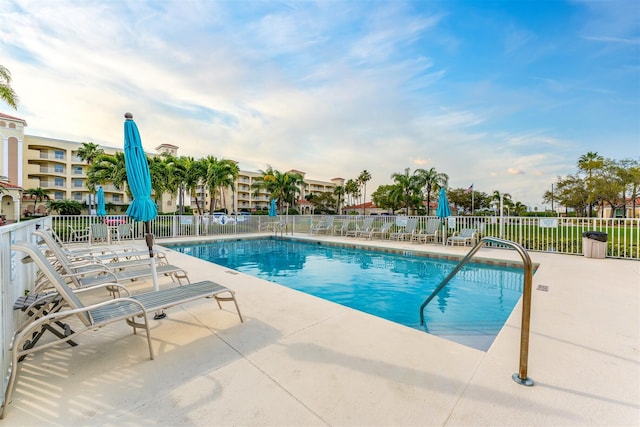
column 38, row 194
column 339, row 191
column 3, row 180
column 108, row 169
column 220, row 174
column 88, row 152
column 410, row 185
column 352, row 190
column 362, row 180
column 195, row 172
column 7, row 94
column 280, row 186
column 504, row 197
column 323, row 203
column 65, row 207
column 432, row 181
column 570, row 192
column 388, row 197
column 608, row 186
column 589, row 163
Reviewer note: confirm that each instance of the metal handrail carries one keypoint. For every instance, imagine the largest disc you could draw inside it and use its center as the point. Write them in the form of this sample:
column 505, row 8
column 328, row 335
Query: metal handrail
column 521, row 376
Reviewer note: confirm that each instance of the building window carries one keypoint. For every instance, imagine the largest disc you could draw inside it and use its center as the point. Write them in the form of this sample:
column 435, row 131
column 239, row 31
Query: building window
column 77, row 196
column 12, row 125
column 58, row 182
column 77, row 183
column 58, row 168
column 59, row 154
column 77, row 170
column 116, row 198
column 58, row 195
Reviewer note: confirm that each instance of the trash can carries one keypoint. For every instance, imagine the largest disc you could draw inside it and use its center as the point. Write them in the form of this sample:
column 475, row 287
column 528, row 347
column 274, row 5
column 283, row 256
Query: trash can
column 594, row 244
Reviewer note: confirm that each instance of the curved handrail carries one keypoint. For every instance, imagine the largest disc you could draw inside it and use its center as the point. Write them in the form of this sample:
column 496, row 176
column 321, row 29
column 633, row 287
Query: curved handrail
column 521, row 376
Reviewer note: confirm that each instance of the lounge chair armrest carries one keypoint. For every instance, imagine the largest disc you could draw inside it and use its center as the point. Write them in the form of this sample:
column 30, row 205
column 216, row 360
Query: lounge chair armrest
column 103, row 285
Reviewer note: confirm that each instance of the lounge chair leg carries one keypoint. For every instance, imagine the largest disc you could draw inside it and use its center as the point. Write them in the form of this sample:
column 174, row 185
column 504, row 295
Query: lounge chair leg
column 13, row 372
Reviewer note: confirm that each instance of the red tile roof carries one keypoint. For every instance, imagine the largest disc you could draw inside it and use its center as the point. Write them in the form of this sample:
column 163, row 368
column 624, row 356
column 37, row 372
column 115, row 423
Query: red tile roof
column 6, row 116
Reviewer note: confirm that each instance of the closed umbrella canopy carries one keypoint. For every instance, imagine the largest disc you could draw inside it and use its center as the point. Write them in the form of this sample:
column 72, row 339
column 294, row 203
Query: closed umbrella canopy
column 100, row 199
column 272, row 208
column 142, row 208
column 443, row 211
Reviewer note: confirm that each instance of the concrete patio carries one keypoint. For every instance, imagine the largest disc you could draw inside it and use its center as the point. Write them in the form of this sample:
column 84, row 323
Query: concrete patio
column 301, row 361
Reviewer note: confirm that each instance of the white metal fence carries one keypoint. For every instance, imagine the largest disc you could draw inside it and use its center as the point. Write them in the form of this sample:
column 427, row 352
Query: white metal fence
column 557, row 234
column 560, row 235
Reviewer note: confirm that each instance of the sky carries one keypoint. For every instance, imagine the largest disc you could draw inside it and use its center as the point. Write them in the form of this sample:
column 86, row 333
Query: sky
column 501, row 95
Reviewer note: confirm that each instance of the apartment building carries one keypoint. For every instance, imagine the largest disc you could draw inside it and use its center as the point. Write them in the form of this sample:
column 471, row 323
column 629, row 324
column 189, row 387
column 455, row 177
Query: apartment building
column 53, row 164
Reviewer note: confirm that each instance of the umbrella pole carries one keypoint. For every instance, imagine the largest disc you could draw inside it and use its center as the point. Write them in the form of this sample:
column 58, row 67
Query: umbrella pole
column 154, row 274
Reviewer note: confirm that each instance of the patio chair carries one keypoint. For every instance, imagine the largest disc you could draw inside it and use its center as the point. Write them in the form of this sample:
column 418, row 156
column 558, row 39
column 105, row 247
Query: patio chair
column 407, row 232
column 365, row 227
column 325, row 225
column 99, row 232
column 123, row 231
column 381, row 232
column 94, row 273
column 84, row 263
column 466, row 235
column 430, row 232
column 344, row 228
column 103, row 254
column 92, row 317
column 75, row 235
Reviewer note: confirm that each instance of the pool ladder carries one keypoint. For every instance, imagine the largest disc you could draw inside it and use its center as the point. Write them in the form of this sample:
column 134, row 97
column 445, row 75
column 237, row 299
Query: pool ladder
column 521, row 376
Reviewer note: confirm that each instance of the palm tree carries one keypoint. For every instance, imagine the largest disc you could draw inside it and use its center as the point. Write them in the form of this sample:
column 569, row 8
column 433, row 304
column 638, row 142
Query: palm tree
column 409, row 184
column 589, row 163
column 176, row 168
column 352, row 190
column 506, row 199
column 159, row 177
column 280, row 186
column 432, row 181
column 3, row 180
column 38, row 194
column 108, row 169
column 363, row 178
column 338, row 191
column 6, row 92
column 220, row 174
column 88, row 152
column 195, row 172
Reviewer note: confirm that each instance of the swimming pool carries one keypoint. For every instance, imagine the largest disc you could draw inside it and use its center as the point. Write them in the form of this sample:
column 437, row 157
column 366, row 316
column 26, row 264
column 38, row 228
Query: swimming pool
column 470, row 310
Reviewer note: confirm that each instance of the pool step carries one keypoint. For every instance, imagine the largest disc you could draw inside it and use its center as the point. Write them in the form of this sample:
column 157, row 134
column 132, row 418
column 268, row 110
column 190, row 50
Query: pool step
column 478, row 335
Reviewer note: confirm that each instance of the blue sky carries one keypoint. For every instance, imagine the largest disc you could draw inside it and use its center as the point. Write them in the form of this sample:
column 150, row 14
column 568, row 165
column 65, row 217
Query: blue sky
column 502, row 94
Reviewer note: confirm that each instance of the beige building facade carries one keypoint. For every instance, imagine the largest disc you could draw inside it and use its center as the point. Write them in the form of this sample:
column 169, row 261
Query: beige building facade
column 29, row 161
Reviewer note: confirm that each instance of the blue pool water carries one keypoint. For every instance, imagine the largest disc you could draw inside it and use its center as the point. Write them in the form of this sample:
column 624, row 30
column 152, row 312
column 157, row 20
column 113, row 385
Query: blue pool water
column 471, row 309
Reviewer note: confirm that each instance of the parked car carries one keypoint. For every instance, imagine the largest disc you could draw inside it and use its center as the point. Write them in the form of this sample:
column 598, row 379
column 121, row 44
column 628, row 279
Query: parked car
column 115, row 220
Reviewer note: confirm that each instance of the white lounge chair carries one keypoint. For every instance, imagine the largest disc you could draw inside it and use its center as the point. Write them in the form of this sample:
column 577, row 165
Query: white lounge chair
column 381, row 232
column 325, row 225
column 133, row 309
column 430, row 232
column 466, row 235
column 407, row 232
column 364, row 227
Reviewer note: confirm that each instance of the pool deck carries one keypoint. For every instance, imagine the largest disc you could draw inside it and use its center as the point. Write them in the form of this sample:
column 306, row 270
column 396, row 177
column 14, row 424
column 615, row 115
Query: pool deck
column 301, row 361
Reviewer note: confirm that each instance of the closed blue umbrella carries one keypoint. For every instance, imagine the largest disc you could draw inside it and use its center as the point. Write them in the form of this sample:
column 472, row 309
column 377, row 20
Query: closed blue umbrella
column 272, row 208
column 443, row 211
column 100, row 200
column 142, row 208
